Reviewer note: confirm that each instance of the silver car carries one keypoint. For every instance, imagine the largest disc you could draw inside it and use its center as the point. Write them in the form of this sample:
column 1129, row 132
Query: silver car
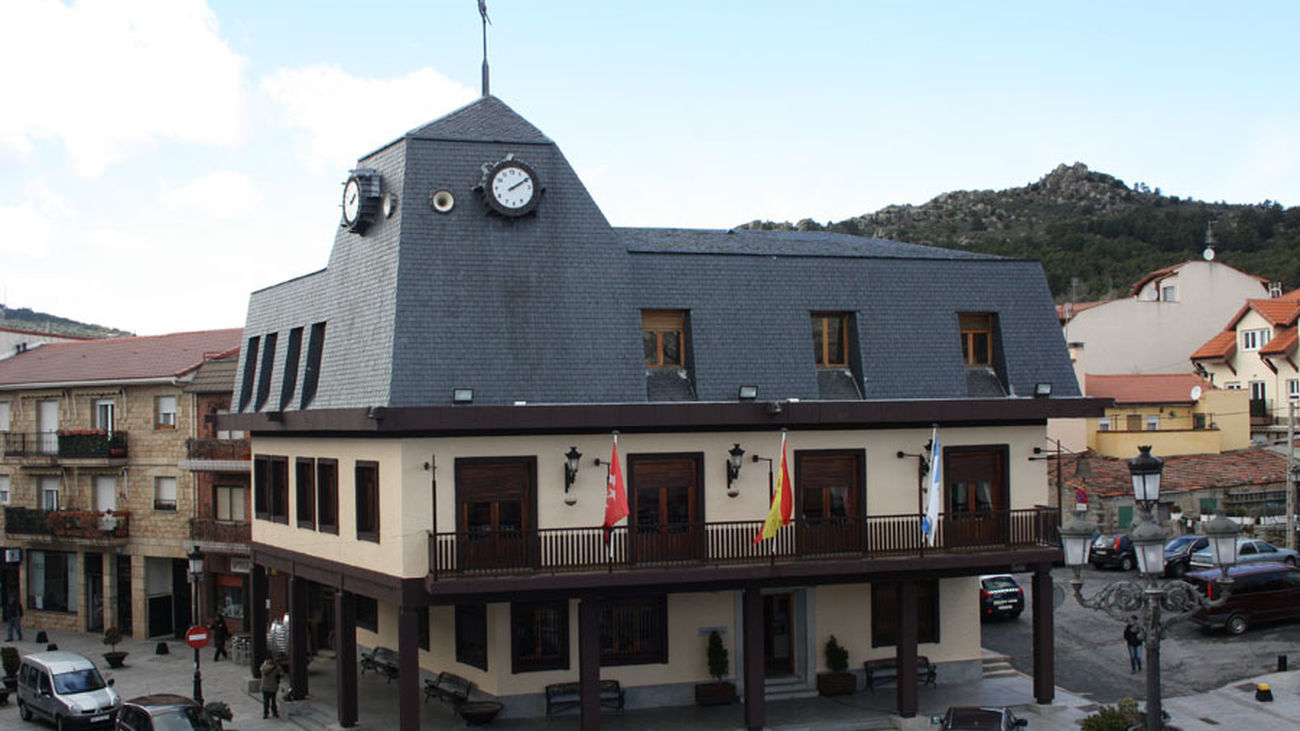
column 1249, row 550
column 66, row 689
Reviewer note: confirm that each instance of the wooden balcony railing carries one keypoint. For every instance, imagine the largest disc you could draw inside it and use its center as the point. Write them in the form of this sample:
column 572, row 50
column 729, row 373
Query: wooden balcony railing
column 554, row 550
column 218, row 449
column 68, row 523
column 68, row 444
column 220, row 531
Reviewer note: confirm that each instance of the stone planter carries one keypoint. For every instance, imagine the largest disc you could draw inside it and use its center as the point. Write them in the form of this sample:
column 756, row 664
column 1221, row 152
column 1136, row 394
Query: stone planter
column 715, row 694
column 830, row 684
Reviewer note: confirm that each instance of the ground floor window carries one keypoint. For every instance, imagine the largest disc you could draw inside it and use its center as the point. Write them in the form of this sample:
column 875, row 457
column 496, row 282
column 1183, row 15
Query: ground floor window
column 52, row 581
column 367, row 613
column 634, row 632
column 422, row 632
column 230, row 596
column 471, row 635
column 540, row 636
column 884, row 612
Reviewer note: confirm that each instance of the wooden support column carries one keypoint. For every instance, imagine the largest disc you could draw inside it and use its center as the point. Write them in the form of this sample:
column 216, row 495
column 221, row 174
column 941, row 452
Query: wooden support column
column 408, row 663
column 589, row 610
column 257, row 624
column 345, row 656
column 1044, row 631
column 755, row 675
column 298, row 614
column 905, row 658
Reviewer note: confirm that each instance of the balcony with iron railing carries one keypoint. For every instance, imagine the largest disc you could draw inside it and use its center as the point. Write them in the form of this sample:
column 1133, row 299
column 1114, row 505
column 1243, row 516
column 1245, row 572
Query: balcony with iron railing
column 87, row 524
column 210, row 530
column 220, row 450
column 78, row 444
column 556, row 550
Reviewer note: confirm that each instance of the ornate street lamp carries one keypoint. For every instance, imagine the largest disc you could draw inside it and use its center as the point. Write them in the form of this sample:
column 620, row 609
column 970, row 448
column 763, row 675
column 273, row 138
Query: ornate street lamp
column 195, row 557
column 1156, row 604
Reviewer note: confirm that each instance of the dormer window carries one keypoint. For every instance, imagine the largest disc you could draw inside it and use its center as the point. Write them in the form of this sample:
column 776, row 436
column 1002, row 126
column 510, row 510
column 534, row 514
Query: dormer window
column 830, row 339
column 1255, row 339
column 976, row 339
column 661, row 337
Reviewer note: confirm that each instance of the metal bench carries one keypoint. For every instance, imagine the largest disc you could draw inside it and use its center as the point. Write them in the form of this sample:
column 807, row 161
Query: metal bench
column 561, row 697
column 885, row 671
column 382, row 660
column 449, row 688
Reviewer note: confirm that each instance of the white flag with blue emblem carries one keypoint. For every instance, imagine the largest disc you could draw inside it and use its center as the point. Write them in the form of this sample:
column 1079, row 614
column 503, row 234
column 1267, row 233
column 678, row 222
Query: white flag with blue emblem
column 933, row 495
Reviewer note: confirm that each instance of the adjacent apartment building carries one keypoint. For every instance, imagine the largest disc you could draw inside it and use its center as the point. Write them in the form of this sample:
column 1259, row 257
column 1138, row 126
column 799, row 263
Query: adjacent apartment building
column 97, row 503
column 433, row 418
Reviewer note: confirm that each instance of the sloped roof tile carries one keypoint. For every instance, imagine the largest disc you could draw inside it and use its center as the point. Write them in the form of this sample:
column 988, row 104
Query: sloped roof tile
column 1164, row 388
column 1222, row 345
column 117, row 359
column 1239, row 468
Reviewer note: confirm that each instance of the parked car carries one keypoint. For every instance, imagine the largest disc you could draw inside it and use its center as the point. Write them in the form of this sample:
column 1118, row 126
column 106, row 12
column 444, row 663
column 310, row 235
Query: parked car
column 1249, row 550
column 164, row 711
column 66, row 689
column 978, row 718
column 1179, row 550
column 1113, row 550
column 1001, row 596
column 1259, row 593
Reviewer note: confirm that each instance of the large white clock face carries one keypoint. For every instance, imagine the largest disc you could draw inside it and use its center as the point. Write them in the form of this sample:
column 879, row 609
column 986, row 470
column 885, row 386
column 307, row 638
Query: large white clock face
column 351, row 201
column 512, row 187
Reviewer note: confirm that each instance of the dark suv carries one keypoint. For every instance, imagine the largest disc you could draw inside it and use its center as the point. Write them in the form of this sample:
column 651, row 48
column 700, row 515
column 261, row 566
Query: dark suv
column 1113, row 550
column 1262, row 592
column 1178, row 553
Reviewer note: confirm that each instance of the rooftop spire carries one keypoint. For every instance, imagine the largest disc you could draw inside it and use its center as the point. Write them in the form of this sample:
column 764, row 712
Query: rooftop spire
column 482, row 10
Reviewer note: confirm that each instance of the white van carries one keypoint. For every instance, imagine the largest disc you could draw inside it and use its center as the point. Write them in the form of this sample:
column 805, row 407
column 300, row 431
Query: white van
column 67, row 689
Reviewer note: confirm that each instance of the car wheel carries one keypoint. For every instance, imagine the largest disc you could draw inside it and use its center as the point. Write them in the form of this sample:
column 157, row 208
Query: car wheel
column 24, row 711
column 1290, row 560
column 1126, row 563
column 58, row 724
column 1015, row 615
column 1236, row 624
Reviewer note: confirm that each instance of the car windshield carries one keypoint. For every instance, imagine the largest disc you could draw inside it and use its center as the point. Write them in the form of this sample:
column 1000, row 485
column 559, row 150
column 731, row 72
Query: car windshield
column 1000, row 582
column 971, row 719
column 78, row 681
column 1179, row 542
column 189, row 718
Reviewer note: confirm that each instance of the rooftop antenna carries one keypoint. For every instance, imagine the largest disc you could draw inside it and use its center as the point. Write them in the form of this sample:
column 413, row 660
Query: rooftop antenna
column 482, row 10
column 1209, row 240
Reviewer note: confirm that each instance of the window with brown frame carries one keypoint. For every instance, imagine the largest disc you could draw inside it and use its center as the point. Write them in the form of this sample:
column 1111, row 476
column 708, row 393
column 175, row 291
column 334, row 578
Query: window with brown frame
column 831, row 339
column 662, row 337
column 367, row 613
column 634, row 631
column 367, row 489
column 539, row 636
column 261, row 486
column 327, row 495
column 885, row 610
column 422, row 630
column 271, row 488
column 304, row 472
column 976, row 338
column 471, row 635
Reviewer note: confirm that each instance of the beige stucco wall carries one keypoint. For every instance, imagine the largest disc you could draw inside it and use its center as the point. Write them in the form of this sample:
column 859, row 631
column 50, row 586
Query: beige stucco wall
column 1137, row 335
column 406, row 502
column 1247, row 366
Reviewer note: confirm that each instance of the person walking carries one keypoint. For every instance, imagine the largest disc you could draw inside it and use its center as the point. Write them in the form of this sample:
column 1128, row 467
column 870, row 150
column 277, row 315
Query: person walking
column 220, row 633
column 1133, row 638
column 270, row 685
column 13, row 616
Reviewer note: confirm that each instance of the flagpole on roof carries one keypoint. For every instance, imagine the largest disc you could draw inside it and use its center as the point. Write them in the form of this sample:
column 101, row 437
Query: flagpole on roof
column 482, row 10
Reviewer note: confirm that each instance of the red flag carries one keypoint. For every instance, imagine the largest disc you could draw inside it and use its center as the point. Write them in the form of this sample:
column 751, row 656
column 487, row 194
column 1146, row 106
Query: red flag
column 615, row 493
column 782, row 502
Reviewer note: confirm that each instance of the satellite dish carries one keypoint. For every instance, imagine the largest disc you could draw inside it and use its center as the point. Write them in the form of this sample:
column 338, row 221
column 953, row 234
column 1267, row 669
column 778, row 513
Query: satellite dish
column 1208, row 253
column 1196, row 393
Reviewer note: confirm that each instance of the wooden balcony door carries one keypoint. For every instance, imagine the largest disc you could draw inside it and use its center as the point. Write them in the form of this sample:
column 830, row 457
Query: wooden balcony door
column 667, row 507
column 496, row 505
column 978, row 497
column 829, row 499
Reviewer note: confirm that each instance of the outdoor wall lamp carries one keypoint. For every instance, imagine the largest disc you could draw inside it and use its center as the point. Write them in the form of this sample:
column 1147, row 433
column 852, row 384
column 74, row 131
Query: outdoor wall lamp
column 462, row 395
column 747, row 393
column 734, row 457
column 1042, row 390
column 571, row 460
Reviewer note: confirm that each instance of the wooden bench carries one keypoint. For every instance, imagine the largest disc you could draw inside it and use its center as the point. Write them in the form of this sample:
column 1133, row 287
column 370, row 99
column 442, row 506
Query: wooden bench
column 382, row 660
column 449, row 688
column 885, row 670
column 561, row 697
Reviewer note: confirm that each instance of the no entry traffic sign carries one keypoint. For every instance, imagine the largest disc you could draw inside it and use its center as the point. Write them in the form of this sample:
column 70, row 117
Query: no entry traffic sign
column 196, row 636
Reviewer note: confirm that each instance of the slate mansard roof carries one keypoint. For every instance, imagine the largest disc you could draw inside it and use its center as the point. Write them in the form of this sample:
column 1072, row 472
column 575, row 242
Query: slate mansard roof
column 546, row 309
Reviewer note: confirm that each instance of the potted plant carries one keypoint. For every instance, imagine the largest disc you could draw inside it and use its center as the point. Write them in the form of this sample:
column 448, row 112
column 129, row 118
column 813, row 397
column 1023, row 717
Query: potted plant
column 114, row 658
column 839, row 681
column 719, row 692
column 219, row 711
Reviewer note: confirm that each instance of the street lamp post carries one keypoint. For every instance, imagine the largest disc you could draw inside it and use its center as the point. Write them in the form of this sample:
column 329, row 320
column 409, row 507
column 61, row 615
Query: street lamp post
column 1157, row 604
column 195, row 557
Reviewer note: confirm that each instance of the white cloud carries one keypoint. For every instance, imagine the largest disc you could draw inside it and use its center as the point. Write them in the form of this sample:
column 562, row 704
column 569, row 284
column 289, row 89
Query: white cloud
column 109, row 77
column 28, row 225
column 337, row 110
column 223, row 194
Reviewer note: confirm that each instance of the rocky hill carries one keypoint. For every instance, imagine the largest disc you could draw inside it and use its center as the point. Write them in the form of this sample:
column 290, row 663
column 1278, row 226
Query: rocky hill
column 1094, row 234
column 26, row 319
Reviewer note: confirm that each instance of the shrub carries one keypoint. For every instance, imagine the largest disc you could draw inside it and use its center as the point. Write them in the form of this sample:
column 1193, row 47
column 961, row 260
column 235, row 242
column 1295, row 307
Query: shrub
column 837, row 658
column 719, row 660
column 10, row 659
column 112, row 636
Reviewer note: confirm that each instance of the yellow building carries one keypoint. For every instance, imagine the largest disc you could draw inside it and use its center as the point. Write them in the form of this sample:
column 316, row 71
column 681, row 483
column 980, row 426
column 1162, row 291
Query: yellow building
column 1175, row 414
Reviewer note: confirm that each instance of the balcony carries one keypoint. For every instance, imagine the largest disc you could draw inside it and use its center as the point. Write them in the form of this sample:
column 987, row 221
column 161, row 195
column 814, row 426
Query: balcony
column 220, row 531
column 556, row 550
column 92, row 444
column 89, row 524
column 223, row 450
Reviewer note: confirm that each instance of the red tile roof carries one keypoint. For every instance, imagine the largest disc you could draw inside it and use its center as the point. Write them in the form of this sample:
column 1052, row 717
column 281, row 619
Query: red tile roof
column 1281, row 345
column 117, row 359
column 1278, row 311
column 1157, row 274
column 1165, row 388
column 1239, row 468
column 1222, row 345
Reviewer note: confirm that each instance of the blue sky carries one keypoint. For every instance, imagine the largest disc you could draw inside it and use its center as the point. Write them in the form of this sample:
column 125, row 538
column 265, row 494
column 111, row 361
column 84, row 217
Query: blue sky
column 160, row 159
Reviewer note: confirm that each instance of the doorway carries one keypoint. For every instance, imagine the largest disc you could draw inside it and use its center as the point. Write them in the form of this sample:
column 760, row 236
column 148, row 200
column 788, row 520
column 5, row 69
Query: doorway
column 778, row 635
column 94, row 576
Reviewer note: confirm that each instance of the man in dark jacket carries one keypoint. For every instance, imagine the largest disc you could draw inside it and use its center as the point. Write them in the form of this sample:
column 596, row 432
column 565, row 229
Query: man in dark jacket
column 13, row 616
column 270, row 684
column 1133, row 638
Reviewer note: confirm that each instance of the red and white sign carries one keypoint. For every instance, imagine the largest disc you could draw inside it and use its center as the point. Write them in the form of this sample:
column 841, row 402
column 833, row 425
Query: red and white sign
column 196, row 636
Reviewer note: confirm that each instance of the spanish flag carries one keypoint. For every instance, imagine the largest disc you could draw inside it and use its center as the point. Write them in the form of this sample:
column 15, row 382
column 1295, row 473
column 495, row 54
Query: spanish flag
column 782, row 501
